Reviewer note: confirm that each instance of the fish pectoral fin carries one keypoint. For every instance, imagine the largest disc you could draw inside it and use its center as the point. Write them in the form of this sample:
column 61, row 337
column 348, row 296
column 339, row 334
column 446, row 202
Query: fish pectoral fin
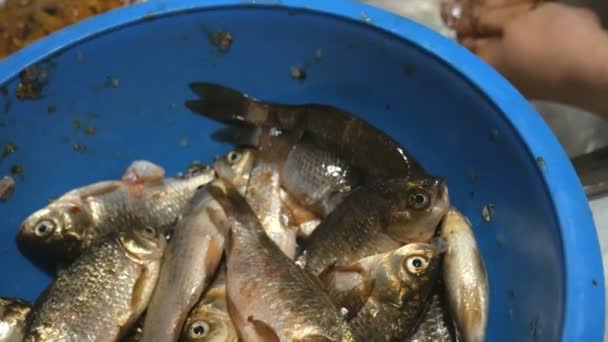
column 143, row 172
column 354, row 299
column 213, row 254
column 263, row 332
column 342, row 277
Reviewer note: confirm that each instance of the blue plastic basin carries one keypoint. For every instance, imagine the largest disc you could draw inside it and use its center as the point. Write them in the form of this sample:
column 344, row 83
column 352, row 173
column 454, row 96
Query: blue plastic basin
column 126, row 75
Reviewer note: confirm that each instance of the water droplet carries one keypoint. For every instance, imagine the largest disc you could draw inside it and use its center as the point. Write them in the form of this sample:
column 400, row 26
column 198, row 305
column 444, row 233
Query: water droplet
column 344, row 312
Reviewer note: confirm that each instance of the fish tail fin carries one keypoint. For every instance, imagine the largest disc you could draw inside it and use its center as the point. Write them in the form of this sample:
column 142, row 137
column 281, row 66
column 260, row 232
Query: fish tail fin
column 238, row 135
column 219, row 103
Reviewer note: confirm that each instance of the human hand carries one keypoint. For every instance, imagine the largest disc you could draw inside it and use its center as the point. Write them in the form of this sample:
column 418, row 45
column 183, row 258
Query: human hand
column 552, row 52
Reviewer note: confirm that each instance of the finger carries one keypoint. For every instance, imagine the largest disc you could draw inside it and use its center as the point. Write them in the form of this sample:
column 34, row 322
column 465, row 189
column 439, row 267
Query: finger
column 492, row 20
column 469, row 43
column 588, row 14
column 488, row 49
column 503, row 3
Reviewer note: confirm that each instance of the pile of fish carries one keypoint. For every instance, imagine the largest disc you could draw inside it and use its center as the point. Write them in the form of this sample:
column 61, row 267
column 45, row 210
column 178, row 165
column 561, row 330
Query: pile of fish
column 316, row 227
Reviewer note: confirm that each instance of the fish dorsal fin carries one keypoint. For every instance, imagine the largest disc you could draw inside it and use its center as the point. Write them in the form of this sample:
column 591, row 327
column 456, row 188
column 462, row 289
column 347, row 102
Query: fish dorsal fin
column 143, row 172
column 96, row 189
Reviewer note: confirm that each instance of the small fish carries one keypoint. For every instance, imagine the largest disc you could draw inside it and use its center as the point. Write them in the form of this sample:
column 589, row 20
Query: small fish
column 192, row 257
column 70, row 224
column 465, row 278
column 256, row 173
column 7, row 187
column 385, row 295
column 315, row 178
column 436, row 324
column 209, row 321
column 269, row 297
column 264, row 197
column 356, row 141
column 13, row 315
column 103, row 293
column 376, row 219
column 235, row 167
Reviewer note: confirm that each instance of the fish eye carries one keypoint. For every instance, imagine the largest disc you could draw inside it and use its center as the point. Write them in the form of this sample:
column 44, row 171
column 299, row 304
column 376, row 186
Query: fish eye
column 416, row 264
column 234, row 157
column 44, row 228
column 199, row 329
column 419, row 200
column 149, row 232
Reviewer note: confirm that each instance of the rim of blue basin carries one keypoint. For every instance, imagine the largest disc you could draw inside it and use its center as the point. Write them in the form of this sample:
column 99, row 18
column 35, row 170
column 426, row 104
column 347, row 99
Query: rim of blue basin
column 582, row 257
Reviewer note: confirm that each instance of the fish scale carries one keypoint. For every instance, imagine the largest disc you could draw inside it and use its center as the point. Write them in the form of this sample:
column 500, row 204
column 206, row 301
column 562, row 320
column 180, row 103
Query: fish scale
column 99, row 295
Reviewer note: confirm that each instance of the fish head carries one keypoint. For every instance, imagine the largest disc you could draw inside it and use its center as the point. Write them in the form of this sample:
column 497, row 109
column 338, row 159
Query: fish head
column 408, row 274
column 13, row 314
column 236, row 166
column 419, row 206
column 143, row 243
column 13, row 310
column 58, row 229
column 209, row 324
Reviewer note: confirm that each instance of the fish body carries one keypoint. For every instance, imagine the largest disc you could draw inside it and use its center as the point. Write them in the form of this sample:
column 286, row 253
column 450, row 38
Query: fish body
column 257, row 174
column 192, row 257
column 436, row 324
column 264, row 197
column 315, row 178
column 465, row 278
column 375, row 219
column 269, row 297
column 356, row 141
column 101, row 294
column 70, row 224
column 385, row 295
column 13, row 315
column 209, row 320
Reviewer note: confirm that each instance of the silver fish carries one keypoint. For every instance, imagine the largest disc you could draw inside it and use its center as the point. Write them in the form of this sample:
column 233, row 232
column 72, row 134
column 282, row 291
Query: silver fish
column 210, row 321
column 13, row 314
column 465, row 278
column 269, row 297
column 192, row 257
column 101, row 295
column 385, row 295
column 70, row 224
